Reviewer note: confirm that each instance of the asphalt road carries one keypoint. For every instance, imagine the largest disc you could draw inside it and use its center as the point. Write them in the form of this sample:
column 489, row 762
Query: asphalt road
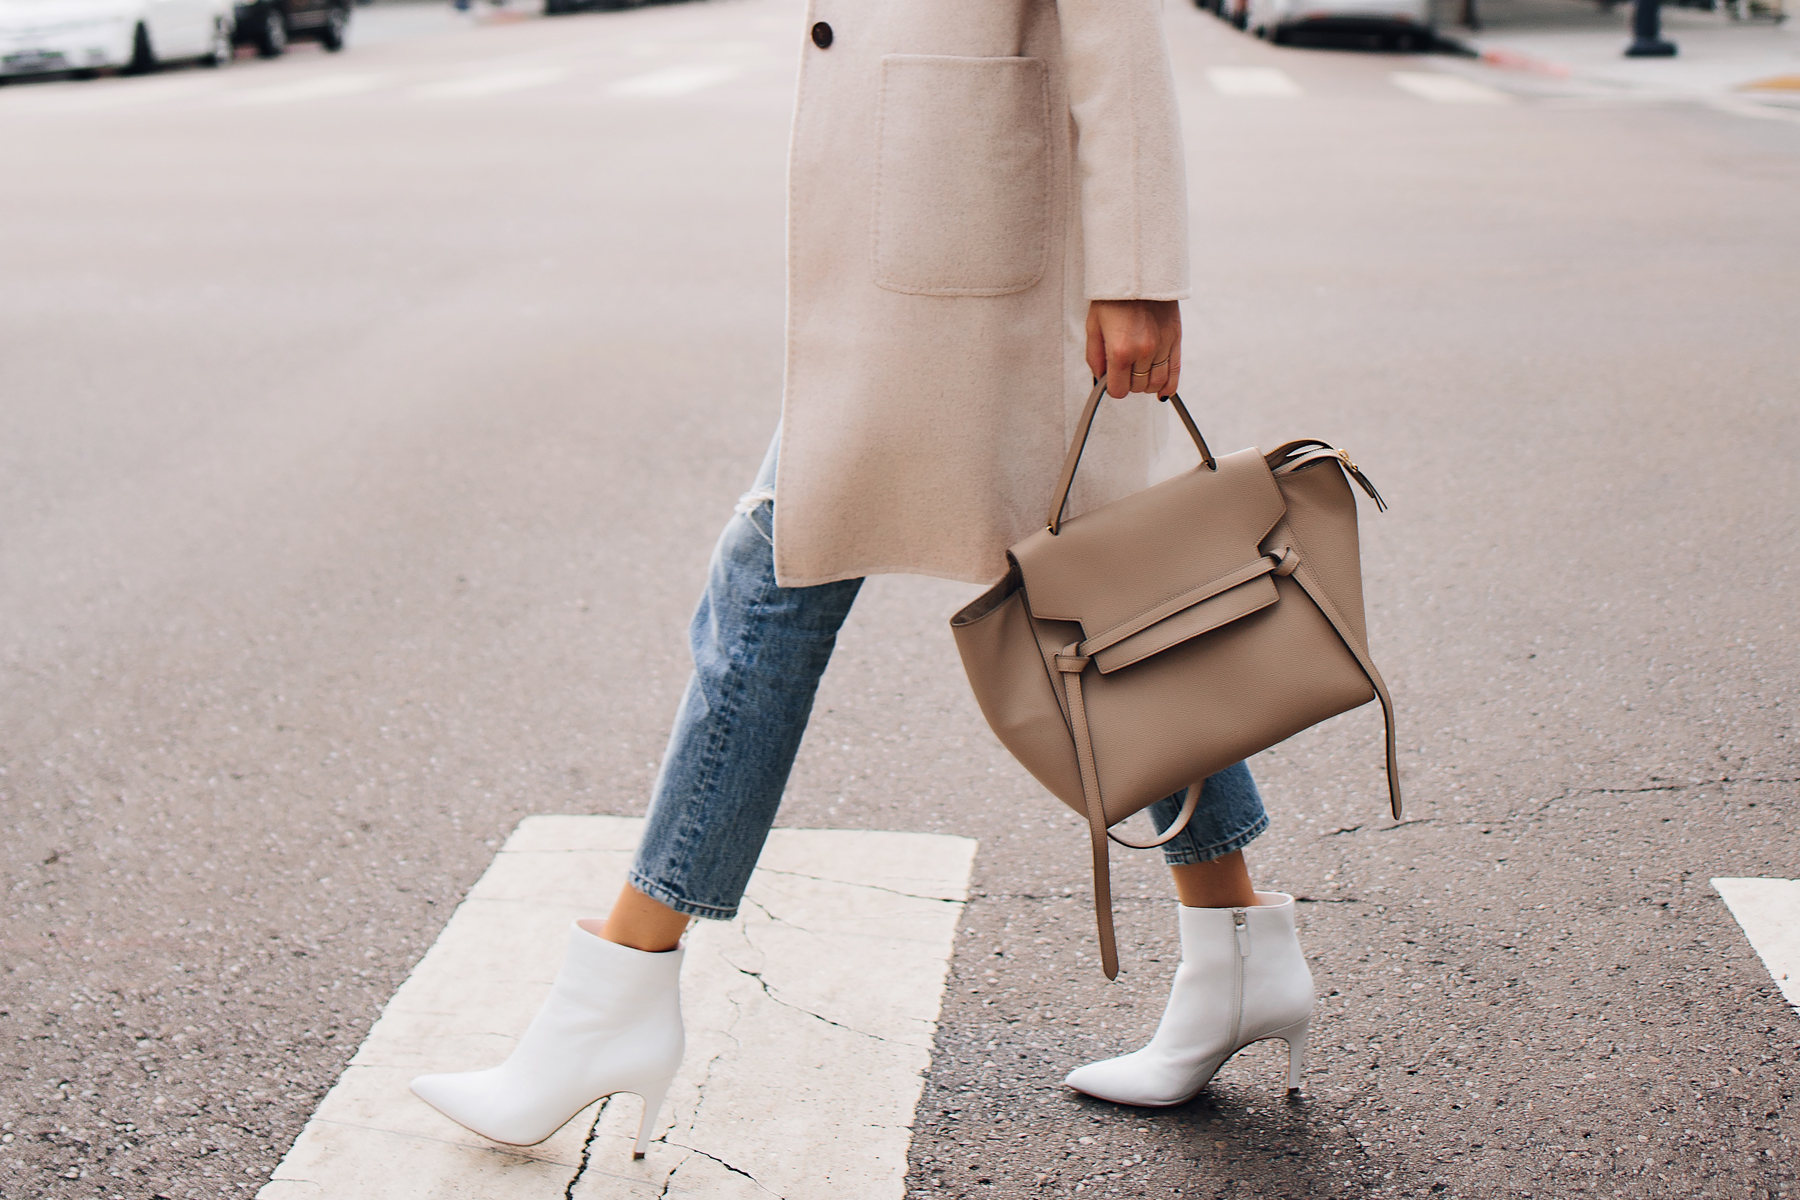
column 365, row 422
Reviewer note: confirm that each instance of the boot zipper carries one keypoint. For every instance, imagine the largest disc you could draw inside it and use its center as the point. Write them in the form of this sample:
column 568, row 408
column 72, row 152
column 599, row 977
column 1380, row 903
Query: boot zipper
column 1241, row 929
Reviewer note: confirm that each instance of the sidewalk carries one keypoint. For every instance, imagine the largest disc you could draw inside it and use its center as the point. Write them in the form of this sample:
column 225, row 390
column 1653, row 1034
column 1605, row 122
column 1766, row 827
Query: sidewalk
column 1573, row 46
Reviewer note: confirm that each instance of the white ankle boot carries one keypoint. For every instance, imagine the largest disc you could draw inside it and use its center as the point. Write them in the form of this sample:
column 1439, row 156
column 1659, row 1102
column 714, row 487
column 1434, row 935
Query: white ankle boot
column 1242, row 979
column 612, row 1024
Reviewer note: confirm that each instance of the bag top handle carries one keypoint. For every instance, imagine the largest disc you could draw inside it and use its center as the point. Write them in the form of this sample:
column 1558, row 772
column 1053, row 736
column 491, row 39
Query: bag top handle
column 1060, row 500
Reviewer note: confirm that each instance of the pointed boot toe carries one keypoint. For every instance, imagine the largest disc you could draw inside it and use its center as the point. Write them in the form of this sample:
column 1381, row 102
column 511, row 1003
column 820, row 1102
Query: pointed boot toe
column 1116, row 1079
column 1094, row 1079
column 1139, row 1078
column 468, row 1098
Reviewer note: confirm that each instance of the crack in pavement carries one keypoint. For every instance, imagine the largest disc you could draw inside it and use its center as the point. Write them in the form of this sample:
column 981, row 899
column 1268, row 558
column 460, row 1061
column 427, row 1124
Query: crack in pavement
column 1714, row 781
column 734, row 1170
column 765, row 910
column 705, row 1081
column 587, row 1149
column 874, row 887
column 770, row 993
column 699, row 1090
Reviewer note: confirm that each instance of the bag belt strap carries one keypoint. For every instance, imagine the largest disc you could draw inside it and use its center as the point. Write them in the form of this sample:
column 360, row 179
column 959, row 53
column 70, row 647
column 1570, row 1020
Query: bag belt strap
column 1305, row 578
column 1072, row 664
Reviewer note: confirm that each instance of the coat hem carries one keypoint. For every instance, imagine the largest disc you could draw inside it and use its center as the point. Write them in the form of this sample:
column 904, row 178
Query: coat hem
column 785, row 581
column 1179, row 294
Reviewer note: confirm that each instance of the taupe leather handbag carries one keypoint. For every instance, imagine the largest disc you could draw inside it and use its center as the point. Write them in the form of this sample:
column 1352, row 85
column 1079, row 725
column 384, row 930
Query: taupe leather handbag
column 1141, row 647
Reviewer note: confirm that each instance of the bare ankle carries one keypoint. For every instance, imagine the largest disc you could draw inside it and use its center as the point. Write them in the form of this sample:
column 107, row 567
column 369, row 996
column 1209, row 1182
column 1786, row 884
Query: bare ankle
column 639, row 922
column 1224, row 882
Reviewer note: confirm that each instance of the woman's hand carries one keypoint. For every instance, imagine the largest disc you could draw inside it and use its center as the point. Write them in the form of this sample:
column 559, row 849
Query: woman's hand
column 1135, row 345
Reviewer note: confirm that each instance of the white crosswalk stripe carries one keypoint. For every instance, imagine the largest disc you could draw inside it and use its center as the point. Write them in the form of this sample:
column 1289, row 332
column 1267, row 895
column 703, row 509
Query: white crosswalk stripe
column 1253, row 81
column 492, row 84
column 325, row 87
column 820, row 1001
column 1447, row 89
column 674, row 81
column 1769, row 911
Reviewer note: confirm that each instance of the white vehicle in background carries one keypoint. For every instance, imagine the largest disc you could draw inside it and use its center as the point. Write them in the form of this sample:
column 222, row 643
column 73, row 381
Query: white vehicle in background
column 38, row 36
column 1398, row 24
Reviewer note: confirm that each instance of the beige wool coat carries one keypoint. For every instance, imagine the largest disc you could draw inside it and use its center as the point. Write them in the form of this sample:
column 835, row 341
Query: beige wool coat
column 964, row 176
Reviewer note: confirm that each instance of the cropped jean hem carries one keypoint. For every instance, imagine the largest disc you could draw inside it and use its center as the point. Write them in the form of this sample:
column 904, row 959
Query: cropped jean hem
column 687, row 908
column 1188, row 855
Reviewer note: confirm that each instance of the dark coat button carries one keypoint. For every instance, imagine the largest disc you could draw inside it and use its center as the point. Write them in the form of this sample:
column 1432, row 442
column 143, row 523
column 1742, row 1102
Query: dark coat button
column 821, row 35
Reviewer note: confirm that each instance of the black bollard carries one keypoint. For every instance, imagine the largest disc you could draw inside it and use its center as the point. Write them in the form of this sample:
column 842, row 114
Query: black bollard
column 1646, row 32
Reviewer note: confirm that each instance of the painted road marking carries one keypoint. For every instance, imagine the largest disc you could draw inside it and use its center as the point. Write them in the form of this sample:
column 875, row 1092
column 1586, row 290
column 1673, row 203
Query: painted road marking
column 489, row 85
column 810, row 1022
column 324, row 87
column 1751, row 109
column 1769, row 911
column 1447, row 89
column 1252, row 81
column 675, row 81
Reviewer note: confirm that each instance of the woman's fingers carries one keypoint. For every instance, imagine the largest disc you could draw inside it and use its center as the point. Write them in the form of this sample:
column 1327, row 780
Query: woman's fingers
column 1157, row 379
column 1136, row 344
column 1143, row 372
column 1127, row 342
column 1125, row 351
column 1165, row 368
column 1096, row 342
column 1125, row 376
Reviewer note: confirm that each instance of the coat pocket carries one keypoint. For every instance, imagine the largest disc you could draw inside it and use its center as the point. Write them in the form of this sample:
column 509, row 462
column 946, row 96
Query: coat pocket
column 962, row 187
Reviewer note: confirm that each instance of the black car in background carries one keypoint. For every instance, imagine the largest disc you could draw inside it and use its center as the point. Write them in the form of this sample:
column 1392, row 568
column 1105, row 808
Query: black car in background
column 270, row 25
column 554, row 8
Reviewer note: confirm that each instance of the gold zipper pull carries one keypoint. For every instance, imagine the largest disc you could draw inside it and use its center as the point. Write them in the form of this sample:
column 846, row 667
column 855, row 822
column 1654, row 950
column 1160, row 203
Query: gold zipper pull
column 1356, row 474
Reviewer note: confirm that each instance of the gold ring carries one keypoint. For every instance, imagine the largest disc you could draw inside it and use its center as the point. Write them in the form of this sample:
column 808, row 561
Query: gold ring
column 1163, row 363
column 1145, row 374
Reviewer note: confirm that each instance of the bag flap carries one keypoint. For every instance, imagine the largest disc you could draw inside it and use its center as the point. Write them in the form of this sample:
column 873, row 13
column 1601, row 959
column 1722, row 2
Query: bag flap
column 1132, row 561
column 1190, row 622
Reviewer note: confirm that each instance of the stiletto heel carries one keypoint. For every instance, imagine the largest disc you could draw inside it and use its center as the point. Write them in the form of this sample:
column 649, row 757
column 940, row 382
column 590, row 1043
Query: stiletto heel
column 1296, row 1044
column 653, row 1103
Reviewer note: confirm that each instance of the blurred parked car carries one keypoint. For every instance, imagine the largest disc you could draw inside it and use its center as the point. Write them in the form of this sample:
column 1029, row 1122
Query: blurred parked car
column 1397, row 24
column 85, row 35
column 270, row 25
column 554, row 8
column 1234, row 12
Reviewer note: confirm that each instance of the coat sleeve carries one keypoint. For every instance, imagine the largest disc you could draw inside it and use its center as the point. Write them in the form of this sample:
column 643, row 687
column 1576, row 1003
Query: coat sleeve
column 1129, row 156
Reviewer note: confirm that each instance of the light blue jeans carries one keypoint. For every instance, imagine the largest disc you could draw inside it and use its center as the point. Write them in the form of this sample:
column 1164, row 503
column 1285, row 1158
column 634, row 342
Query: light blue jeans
column 759, row 650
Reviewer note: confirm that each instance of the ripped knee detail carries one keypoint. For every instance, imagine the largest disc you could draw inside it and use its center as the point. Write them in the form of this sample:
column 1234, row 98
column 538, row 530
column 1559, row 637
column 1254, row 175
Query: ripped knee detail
column 758, row 507
column 754, row 499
